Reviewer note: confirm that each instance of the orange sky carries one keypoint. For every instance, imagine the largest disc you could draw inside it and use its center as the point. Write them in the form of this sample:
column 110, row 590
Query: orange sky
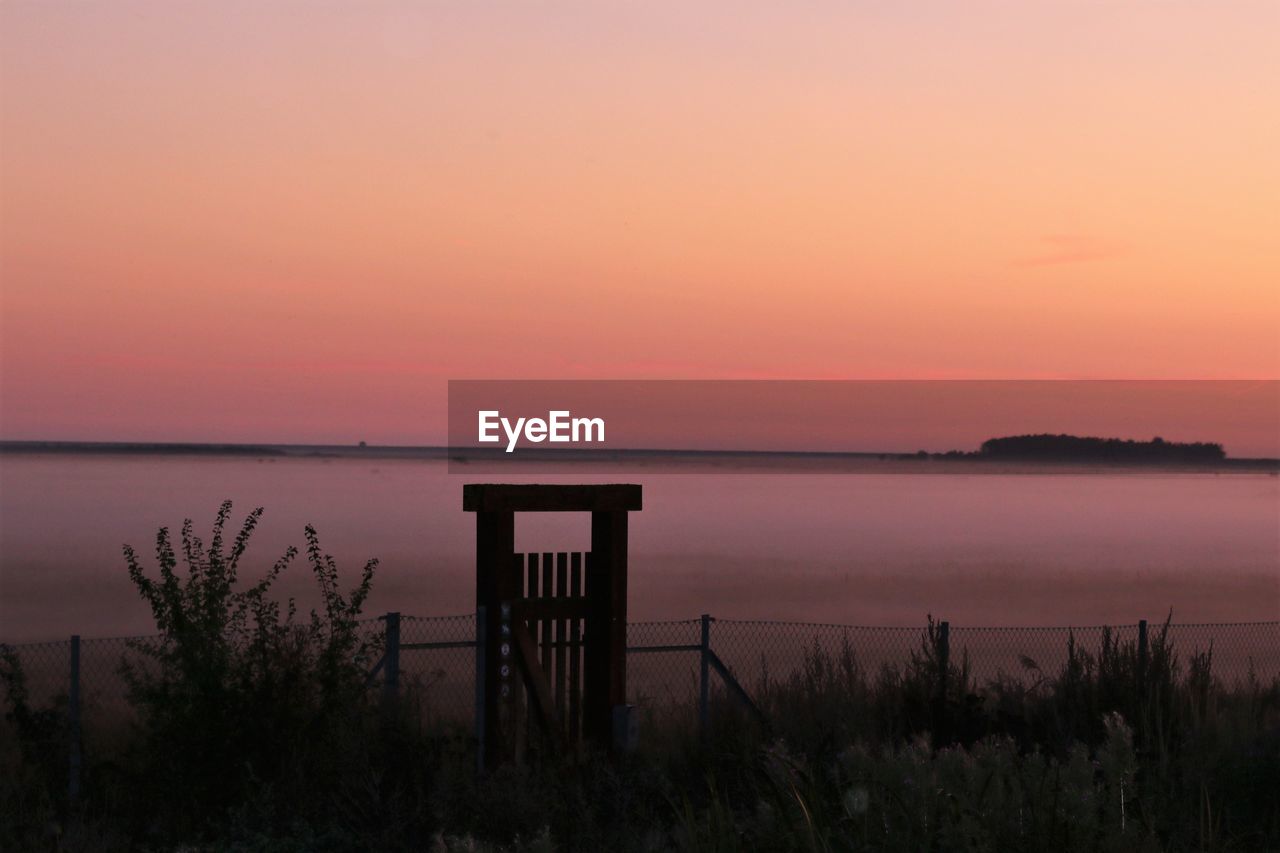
column 273, row 222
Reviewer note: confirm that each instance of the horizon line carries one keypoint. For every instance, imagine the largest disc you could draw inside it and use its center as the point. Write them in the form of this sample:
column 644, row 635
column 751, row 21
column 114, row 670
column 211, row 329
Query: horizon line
column 451, row 451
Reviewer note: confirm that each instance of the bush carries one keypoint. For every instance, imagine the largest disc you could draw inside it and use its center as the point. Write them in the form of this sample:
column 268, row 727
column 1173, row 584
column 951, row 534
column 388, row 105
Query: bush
column 237, row 691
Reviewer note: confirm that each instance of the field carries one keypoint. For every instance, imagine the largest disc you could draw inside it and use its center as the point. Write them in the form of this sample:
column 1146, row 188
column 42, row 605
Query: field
column 854, row 739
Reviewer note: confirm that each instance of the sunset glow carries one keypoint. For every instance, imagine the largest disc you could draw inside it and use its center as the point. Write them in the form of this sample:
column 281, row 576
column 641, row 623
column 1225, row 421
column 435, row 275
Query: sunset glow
column 295, row 223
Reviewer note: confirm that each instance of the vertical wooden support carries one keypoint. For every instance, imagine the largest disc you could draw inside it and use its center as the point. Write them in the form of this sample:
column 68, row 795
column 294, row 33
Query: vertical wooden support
column 704, row 679
column 606, row 652
column 481, row 616
column 73, row 723
column 529, row 731
column 497, row 581
column 513, row 688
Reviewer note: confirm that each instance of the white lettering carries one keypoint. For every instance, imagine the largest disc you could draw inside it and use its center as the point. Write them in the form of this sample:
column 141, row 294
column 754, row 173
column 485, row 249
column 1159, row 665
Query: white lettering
column 487, row 425
column 512, row 434
column 559, row 420
column 559, row 427
column 587, row 424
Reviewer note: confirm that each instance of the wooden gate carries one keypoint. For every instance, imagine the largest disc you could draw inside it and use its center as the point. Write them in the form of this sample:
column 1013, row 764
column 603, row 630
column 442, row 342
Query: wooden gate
column 552, row 656
column 549, row 622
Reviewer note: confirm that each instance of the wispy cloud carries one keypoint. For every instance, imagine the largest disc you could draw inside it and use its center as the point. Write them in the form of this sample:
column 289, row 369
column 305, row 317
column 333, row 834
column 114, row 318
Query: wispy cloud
column 1059, row 249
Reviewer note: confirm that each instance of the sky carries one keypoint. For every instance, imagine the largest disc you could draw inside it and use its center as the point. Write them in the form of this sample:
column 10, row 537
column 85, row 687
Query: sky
column 295, row 222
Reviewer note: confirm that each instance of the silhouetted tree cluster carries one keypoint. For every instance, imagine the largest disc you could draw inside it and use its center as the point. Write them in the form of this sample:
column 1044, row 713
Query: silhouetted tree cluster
column 1089, row 449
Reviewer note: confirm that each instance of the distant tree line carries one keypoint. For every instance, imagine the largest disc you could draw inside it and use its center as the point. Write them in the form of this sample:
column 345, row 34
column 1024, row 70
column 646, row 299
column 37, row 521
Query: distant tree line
column 1074, row 447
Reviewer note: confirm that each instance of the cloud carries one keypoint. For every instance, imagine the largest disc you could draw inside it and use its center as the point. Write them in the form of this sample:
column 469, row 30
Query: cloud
column 1071, row 249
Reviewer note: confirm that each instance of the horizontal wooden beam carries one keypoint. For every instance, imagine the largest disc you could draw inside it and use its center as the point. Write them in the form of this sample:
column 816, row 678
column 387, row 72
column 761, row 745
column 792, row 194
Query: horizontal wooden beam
column 539, row 497
column 569, row 607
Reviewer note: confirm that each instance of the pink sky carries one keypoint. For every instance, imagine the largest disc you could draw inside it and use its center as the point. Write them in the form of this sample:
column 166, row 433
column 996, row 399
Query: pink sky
column 271, row 222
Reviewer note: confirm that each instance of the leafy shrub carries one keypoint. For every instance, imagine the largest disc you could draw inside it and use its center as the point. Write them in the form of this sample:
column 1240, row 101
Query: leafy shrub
column 237, row 691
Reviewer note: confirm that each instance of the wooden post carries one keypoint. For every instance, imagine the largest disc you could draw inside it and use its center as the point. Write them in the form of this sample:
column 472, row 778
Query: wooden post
column 498, row 583
column 528, row 733
column 391, row 656
column 606, row 652
column 481, row 611
column 73, row 723
column 704, row 680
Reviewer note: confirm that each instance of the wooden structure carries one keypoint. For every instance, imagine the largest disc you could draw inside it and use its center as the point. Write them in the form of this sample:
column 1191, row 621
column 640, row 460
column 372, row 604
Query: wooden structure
column 552, row 638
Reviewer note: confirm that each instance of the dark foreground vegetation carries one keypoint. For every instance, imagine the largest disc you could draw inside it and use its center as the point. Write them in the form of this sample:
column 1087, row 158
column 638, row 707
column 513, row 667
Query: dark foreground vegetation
column 255, row 731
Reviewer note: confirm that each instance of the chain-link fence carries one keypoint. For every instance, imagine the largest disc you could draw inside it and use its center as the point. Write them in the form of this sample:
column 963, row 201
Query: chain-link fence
column 434, row 662
column 672, row 666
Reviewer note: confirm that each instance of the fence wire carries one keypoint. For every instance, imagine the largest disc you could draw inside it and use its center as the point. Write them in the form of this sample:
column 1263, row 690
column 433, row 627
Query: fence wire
column 438, row 667
column 436, row 672
column 663, row 664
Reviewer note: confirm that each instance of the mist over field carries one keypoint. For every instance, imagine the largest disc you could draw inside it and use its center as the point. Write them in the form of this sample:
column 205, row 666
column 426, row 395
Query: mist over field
column 1059, row 547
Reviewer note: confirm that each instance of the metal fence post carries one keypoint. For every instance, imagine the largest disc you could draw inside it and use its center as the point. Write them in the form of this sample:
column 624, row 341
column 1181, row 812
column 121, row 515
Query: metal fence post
column 73, row 723
column 1143, row 653
column 481, row 613
column 391, row 667
column 941, row 714
column 704, row 683
column 944, row 657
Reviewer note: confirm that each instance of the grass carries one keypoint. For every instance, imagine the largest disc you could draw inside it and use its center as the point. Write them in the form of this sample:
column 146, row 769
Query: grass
column 252, row 729
column 1105, row 755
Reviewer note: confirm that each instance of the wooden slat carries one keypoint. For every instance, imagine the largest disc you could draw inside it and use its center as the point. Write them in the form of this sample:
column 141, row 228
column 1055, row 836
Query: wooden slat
column 548, row 591
column 531, row 578
column 562, row 629
column 575, row 650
